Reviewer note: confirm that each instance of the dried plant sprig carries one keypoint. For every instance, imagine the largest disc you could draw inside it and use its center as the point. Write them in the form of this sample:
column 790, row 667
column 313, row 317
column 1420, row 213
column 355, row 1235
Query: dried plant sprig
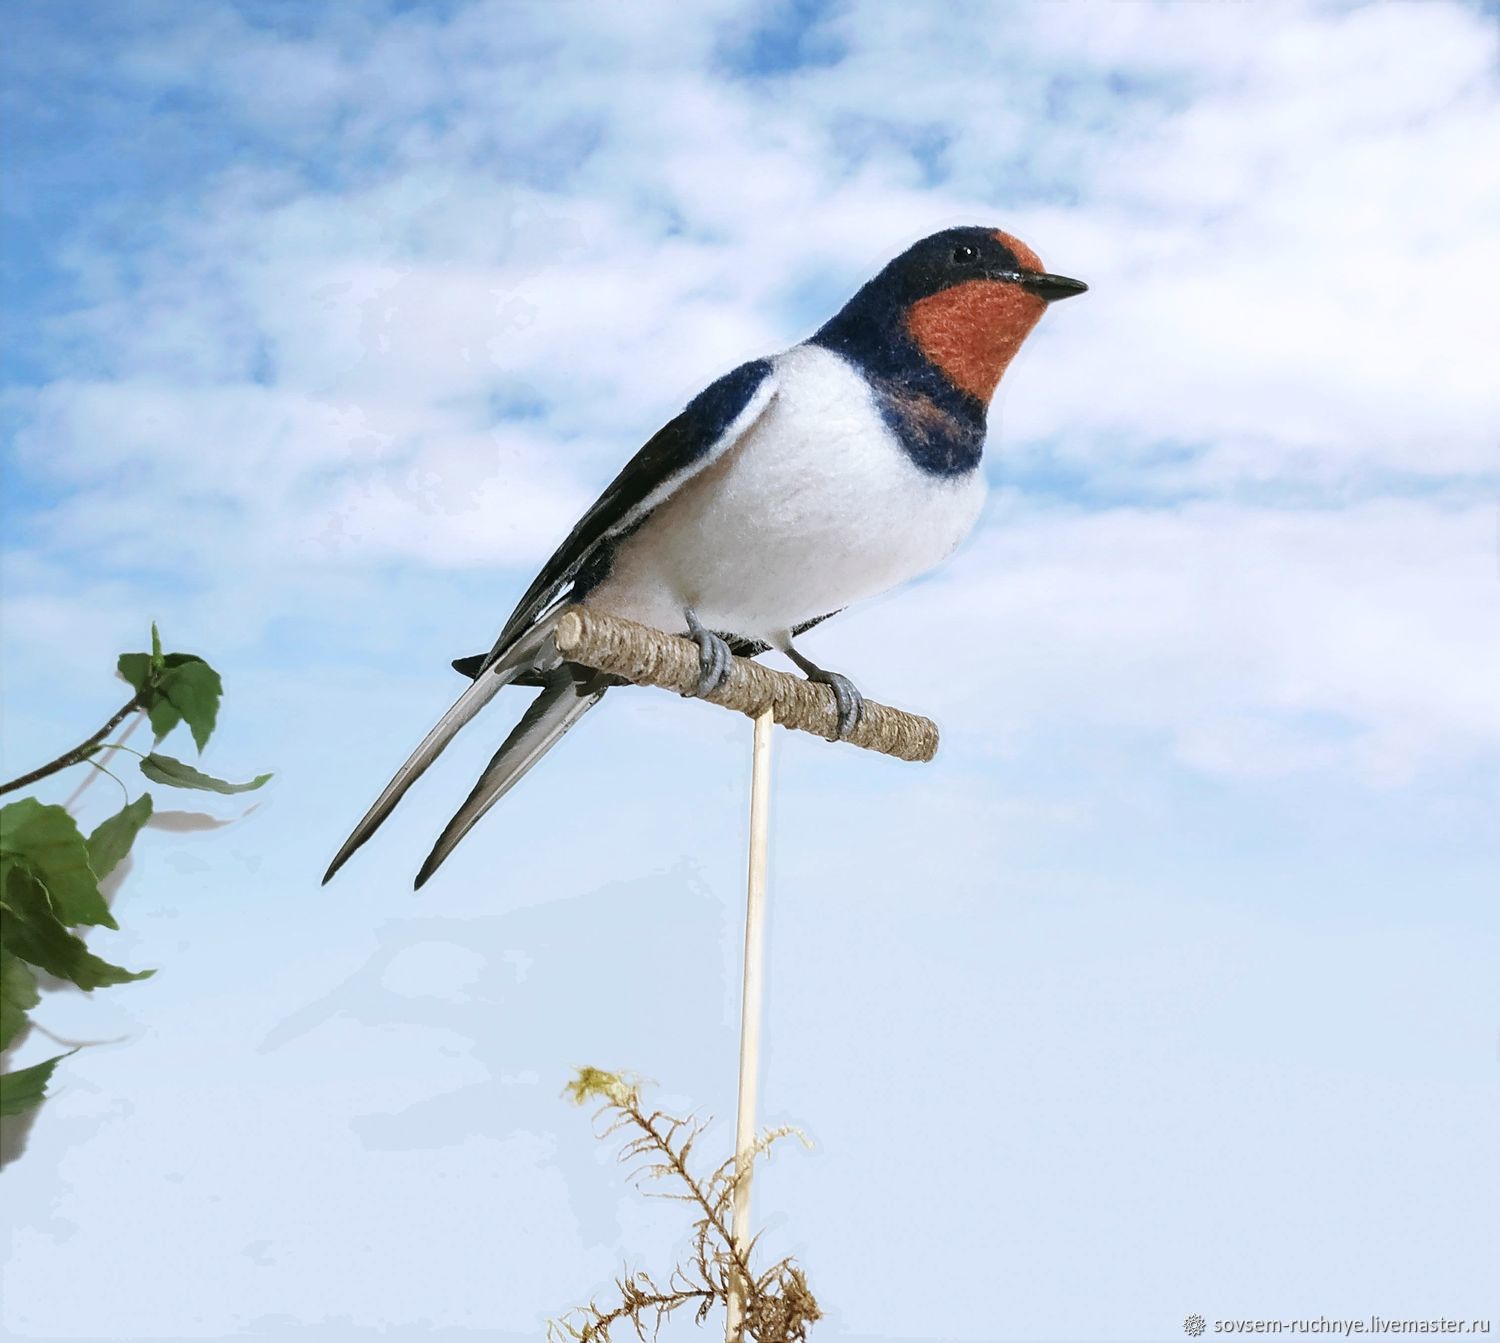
column 776, row 1305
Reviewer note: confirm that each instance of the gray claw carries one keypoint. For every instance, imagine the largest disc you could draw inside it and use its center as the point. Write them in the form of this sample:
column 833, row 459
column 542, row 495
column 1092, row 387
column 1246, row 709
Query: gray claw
column 714, row 657
column 851, row 702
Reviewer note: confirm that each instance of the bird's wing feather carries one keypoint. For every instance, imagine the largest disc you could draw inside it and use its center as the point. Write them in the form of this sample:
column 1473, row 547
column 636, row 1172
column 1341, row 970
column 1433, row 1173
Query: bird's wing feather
column 570, row 692
column 709, row 425
column 484, row 688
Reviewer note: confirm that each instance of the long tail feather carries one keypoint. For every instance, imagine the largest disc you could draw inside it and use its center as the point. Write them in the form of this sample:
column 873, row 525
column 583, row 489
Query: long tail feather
column 561, row 704
column 513, row 664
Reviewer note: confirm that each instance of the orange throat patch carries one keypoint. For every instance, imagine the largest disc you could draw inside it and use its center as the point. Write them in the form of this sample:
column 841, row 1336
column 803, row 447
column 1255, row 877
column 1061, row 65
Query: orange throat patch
column 973, row 330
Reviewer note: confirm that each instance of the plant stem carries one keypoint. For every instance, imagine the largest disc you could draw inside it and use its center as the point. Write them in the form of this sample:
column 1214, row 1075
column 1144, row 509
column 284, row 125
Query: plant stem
column 94, row 764
column 105, row 752
column 78, row 754
column 737, row 1257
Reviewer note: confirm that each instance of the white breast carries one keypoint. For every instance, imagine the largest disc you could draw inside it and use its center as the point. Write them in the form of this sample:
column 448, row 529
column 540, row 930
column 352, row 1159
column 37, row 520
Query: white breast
column 816, row 507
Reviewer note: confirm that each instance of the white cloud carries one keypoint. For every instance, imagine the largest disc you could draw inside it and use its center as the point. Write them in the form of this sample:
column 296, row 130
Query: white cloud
column 462, row 295
column 1246, row 642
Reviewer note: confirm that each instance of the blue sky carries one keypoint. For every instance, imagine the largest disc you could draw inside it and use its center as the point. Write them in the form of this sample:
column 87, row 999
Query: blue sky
column 1169, row 987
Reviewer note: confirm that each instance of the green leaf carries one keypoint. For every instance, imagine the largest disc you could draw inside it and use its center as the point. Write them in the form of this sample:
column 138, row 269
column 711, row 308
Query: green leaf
column 135, row 668
column 193, row 690
column 163, row 769
column 18, row 996
column 47, row 842
column 32, row 932
column 164, row 715
column 23, row 1088
column 112, row 839
column 174, row 688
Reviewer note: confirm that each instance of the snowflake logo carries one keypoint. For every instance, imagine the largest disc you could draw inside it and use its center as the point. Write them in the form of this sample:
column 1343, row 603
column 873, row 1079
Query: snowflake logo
column 1194, row 1325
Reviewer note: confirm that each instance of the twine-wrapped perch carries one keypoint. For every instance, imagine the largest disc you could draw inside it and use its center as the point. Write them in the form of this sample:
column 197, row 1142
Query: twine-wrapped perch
column 647, row 656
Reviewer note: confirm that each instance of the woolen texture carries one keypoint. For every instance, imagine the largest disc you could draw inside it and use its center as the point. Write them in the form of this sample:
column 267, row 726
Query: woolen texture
column 647, row 656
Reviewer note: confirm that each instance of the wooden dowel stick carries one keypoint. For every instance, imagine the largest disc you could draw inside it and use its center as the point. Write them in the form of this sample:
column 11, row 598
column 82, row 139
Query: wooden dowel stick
column 750, row 1001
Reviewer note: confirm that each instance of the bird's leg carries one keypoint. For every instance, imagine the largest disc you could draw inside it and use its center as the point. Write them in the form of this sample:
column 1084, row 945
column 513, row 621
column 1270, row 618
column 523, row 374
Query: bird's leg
column 851, row 702
column 714, row 655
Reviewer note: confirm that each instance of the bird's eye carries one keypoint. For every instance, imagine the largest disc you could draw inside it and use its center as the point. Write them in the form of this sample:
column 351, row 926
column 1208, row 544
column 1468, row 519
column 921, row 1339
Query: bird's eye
column 965, row 252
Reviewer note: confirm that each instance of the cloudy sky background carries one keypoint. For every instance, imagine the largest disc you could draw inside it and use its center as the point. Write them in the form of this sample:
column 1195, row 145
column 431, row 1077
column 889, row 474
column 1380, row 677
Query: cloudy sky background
column 1169, row 987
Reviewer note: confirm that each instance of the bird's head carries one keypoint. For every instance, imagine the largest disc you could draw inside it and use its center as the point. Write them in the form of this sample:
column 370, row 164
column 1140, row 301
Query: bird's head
column 962, row 300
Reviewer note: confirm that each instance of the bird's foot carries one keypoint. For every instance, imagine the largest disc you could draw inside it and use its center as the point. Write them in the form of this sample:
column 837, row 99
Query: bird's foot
column 714, row 656
column 851, row 703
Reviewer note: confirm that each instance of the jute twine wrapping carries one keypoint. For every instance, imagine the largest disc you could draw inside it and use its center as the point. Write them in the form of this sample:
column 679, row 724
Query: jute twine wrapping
column 646, row 656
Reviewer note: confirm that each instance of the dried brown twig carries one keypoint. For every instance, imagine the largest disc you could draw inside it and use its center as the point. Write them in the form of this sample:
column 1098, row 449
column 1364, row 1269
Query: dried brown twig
column 777, row 1305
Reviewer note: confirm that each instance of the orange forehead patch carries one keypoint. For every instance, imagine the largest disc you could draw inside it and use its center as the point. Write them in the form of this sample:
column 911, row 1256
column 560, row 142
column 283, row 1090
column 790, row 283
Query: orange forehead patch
column 973, row 330
column 1029, row 260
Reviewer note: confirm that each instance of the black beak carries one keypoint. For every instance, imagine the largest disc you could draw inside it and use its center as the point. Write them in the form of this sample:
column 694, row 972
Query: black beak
column 1049, row 287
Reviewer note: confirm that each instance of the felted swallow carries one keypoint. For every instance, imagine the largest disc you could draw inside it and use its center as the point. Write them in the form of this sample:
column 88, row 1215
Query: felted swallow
column 784, row 491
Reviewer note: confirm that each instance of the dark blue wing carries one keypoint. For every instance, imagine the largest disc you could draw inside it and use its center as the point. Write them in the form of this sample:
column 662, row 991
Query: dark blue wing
column 708, row 426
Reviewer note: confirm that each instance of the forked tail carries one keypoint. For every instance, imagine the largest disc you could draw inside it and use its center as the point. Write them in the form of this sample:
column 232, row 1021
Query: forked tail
column 514, row 663
column 568, row 693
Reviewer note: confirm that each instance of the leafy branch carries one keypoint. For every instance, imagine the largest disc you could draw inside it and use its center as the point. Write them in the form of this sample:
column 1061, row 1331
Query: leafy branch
column 80, row 753
column 777, row 1306
column 50, row 872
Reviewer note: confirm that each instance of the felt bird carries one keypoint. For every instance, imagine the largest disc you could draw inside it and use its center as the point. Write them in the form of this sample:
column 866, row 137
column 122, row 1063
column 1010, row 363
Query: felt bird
column 784, row 491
